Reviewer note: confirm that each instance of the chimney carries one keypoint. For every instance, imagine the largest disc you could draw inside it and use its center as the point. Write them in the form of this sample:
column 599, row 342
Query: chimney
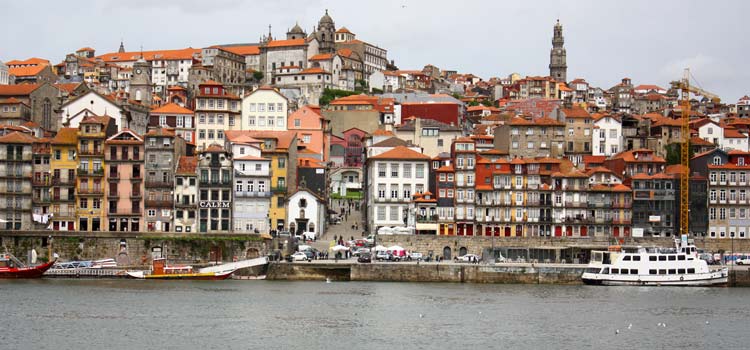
column 417, row 130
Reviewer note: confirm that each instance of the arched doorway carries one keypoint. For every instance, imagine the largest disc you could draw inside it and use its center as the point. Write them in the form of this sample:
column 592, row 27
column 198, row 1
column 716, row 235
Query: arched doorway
column 462, row 251
column 447, row 253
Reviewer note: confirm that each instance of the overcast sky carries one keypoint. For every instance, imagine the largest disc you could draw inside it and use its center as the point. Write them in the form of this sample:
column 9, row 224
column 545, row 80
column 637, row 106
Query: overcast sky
column 646, row 40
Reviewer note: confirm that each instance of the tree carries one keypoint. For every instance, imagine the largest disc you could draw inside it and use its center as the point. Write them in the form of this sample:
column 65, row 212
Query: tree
column 473, row 103
column 332, row 94
column 258, row 75
column 456, row 95
column 673, row 153
column 487, row 103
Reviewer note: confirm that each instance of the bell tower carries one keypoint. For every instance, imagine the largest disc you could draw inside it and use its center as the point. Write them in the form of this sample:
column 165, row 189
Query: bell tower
column 557, row 57
column 326, row 34
column 140, row 82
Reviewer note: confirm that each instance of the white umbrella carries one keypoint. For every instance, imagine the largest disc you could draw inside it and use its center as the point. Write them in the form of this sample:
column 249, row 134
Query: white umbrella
column 303, row 247
column 395, row 248
column 380, row 248
column 339, row 248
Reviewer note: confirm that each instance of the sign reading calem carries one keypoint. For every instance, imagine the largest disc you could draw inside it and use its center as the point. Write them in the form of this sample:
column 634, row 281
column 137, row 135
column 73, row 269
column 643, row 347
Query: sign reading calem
column 214, row 204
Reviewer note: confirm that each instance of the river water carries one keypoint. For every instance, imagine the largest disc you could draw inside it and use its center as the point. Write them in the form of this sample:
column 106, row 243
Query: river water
column 130, row 314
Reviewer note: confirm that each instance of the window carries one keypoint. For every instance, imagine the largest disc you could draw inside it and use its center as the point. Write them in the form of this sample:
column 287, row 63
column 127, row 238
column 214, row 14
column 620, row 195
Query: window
column 251, row 121
column 381, row 169
column 420, row 171
column 530, row 145
column 151, row 213
column 251, row 107
column 394, row 169
column 514, row 145
column 393, row 213
column 380, row 212
column 306, row 138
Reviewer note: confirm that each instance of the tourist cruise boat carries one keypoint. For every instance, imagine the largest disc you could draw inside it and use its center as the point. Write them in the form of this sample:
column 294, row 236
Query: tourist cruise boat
column 678, row 266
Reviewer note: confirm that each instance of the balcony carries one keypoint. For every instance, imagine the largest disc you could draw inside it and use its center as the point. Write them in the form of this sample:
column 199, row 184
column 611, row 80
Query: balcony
column 252, row 194
column 600, row 204
column 185, row 204
column 89, row 172
column 278, row 189
column 135, row 195
column 56, row 181
column 160, row 203
column 41, row 182
column 14, row 175
column 427, row 218
column 41, row 199
column 621, row 222
column 63, row 199
column 154, row 183
column 125, row 212
column 17, row 158
column 90, row 191
column 59, row 214
column 136, row 178
column 91, row 152
column 216, row 183
column 113, row 176
column 113, row 195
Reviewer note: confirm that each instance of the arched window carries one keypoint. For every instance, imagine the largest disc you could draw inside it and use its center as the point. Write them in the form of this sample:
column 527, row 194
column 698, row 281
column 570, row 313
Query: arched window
column 311, row 227
column 47, row 114
column 302, row 213
column 137, row 95
column 717, row 160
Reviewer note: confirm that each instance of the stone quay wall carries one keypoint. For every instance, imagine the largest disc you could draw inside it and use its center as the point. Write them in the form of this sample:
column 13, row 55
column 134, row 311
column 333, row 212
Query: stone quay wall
column 134, row 248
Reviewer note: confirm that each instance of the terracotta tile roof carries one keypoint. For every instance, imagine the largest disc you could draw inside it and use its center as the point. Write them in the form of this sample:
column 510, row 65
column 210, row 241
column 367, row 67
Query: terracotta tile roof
column 187, row 165
column 96, row 119
column 210, row 82
column 482, row 108
column 283, row 138
column 18, row 90
column 674, row 169
column 543, row 121
column 168, row 132
column 251, row 157
column 27, row 71
column 11, row 101
column 570, row 173
column 733, row 133
column 171, row 108
column 31, row 124
column 285, row 43
column 401, row 152
column 17, row 138
column 176, row 88
column 599, row 169
column 66, row 136
column 214, row 148
column 314, row 70
column 343, row 30
column 179, row 54
column 426, row 123
column 347, row 53
column 30, row 61
column 443, row 168
column 494, row 152
column 517, row 161
column 392, row 142
column 629, row 156
column 575, row 112
column 68, row 87
column 647, row 87
column 244, row 50
column 382, row 132
column 321, row 57
column 657, row 176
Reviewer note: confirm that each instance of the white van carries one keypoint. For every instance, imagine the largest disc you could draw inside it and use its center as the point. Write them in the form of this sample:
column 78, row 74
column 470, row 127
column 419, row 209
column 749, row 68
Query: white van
column 743, row 260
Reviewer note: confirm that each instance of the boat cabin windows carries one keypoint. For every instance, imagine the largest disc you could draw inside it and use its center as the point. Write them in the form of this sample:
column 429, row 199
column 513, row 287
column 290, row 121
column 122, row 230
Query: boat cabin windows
column 626, row 258
column 615, row 271
column 652, row 258
column 680, row 271
column 636, row 258
column 652, row 272
column 690, row 270
column 672, row 271
column 662, row 258
column 672, row 257
column 633, row 271
column 662, row 271
column 605, row 271
column 681, row 257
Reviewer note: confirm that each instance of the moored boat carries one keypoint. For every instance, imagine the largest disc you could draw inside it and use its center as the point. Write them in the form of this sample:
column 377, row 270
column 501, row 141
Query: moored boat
column 679, row 266
column 10, row 267
column 160, row 270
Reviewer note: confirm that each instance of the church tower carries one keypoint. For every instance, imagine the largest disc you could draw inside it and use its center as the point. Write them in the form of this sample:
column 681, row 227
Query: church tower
column 296, row 33
column 557, row 63
column 326, row 34
column 140, row 82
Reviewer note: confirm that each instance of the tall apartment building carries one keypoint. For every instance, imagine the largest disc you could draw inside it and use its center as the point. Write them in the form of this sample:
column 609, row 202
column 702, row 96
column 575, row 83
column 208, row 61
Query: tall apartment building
column 163, row 150
column 124, row 157
column 728, row 203
column 92, row 133
column 63, row 165
column 186, row 195
column 395, row 176
column 252, row 188
column 41, row 184
column 528, row 137
column 215, row 189
column 217, row 110
column 15, row 187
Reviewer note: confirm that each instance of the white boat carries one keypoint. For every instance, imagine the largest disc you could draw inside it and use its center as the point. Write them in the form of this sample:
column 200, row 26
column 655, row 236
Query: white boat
column 678, row 266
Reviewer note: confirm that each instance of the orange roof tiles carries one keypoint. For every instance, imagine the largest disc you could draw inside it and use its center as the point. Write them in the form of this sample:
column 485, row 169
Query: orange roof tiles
column 187, row 165
column 285, row 43
column 244, row 50
column 30, row 62
column 18, row 90
column 733, row 133
column 161, row 132
column 321, row 57
column 171, row 108
column 401, row 152
column 343, row 30
column 382, row 132
column 18, row 138
column 68, row 87
column 575, row 112
column 346, row 53
column 11, row 101
column 179, row 54
column 28, row 71
column 314, row 70
column 66, row 136
column 283, row 138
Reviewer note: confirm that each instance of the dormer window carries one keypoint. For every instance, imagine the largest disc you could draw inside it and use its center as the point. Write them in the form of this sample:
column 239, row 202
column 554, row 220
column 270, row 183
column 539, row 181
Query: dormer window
column 741, row 161
column 717, row 160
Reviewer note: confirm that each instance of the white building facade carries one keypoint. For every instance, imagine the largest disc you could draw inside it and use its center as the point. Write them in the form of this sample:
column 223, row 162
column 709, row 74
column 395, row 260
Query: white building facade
column 264, row 109
column 393, row 178
column 252, row 190
column 306, row 213
column 607, row 136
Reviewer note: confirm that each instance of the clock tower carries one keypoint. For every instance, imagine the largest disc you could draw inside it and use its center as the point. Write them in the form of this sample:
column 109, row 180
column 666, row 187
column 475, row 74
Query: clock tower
column 558, row 67
column 140, row 83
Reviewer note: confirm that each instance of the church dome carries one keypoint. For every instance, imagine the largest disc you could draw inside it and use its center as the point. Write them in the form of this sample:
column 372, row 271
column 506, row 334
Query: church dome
column 326, row 19
column 296, row 29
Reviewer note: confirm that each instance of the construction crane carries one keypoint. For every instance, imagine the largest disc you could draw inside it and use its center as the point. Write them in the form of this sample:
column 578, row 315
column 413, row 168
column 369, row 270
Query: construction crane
column 685, row 89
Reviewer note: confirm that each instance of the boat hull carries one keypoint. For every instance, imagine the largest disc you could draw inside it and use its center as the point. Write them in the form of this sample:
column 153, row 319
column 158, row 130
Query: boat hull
column 698, row 280
column 209, row 276
column 25, row 272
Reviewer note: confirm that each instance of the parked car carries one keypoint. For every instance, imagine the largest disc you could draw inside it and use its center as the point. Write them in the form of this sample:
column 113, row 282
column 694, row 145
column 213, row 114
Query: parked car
column 300, row 256
column 743, row 260
column 364, row 258
column 360, row 251
column 415, row 256
column 469, row 258
column 383, row 256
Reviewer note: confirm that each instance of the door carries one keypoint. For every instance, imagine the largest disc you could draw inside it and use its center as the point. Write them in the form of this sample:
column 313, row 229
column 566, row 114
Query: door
column 616, row 232
column 584, row 231
column 462, row 251
column 558, row 231
column 447, row 253
column 569, row 231
column 507, row 231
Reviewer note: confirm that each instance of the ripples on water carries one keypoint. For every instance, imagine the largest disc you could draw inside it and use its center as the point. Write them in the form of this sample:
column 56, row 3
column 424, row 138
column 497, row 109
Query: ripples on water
column 125, row 314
